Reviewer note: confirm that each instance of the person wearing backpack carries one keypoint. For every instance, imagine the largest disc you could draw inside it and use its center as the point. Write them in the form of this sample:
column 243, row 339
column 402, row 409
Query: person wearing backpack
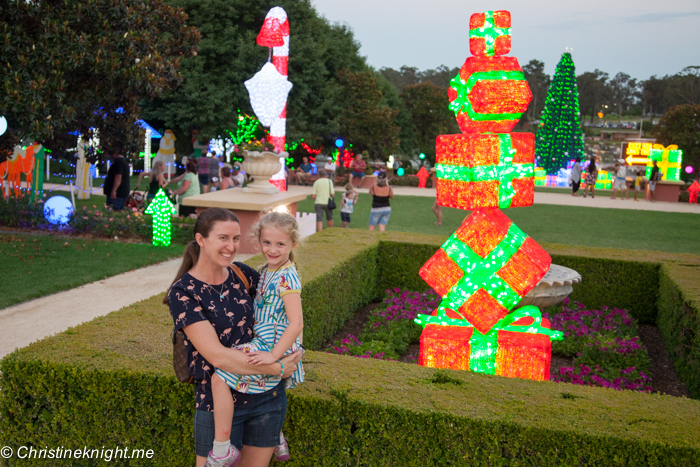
column 322, row 194
column 212, row 309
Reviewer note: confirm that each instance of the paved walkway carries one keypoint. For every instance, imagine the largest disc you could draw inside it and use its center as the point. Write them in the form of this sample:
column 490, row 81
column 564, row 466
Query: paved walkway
column 45, row 316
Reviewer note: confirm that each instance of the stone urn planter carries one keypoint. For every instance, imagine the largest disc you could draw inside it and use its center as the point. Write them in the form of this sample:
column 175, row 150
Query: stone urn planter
column 554, row 287
column 261, row 166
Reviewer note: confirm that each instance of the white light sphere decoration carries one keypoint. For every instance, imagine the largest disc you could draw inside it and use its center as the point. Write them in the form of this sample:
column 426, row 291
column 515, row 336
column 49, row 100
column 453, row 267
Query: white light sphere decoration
column 268, row 91
column 57, row 210
column 3, row 125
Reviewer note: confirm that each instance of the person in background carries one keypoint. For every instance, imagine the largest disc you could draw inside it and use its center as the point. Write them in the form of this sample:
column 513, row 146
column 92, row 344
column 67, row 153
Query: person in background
column 591, row 177
column 305, row 171
column 187, row 185
column 156, row 180
column 357, row 167
column 330, row 168
column 381, row 207
column 620, row 179
column 117, row 186
column 226, row 181
column 214, row 184
column 236, row 176
column 655, row 177
column 214, row 165
column 576, row 176
column 437, row 209
column 347, row 205
column 203, row 173
column 638, row 184
column 322, row 191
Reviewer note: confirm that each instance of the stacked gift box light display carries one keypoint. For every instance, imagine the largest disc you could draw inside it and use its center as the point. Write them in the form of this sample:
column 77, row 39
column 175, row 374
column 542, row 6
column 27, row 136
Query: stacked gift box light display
column 488, row 265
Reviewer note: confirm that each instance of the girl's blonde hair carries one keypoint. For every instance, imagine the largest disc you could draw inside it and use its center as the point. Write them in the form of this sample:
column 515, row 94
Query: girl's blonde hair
column 349, row 187
column 282, row 221
column 158, row 168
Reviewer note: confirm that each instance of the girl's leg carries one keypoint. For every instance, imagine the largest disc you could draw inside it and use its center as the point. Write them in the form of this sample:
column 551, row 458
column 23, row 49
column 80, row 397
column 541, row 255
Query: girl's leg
column 382, row 227
column 223, row 409
column 252, row 456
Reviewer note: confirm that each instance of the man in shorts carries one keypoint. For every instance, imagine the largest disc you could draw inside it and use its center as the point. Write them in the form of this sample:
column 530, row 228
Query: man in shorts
column 305, row 171
column 620, row 179
column 655, row 177
column 358, row 166
column 321, row 194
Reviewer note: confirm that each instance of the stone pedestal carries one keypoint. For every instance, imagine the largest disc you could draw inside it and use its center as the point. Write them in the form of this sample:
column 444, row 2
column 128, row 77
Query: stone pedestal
column 554, row 287
column 666, row 190
column 248, row 207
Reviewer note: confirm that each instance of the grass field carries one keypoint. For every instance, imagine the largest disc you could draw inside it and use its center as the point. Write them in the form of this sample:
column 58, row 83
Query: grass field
column 613, row 228
column 38, row 265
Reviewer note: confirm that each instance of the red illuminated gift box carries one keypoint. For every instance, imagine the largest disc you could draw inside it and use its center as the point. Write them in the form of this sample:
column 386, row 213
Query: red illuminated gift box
column 484, row 269
column 489, row 33
column 490, row 94
column 520, row 346
column 485, row 170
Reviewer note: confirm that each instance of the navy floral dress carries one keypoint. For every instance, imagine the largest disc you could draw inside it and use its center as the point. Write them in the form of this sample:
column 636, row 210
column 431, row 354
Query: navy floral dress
column 229, row 309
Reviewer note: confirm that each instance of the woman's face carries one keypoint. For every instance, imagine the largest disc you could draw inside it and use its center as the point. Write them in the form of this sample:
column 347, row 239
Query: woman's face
column 221, row 246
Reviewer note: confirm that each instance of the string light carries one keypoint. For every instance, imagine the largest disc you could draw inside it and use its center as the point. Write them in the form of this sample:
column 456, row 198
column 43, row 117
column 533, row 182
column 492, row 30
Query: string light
column 485, row 170
column 560, row 139
column 489, row 33
column 161, row 209
column 667, row 159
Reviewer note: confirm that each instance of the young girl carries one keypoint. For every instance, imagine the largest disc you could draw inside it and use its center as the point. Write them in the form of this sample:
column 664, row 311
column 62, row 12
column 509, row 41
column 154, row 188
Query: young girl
column 350, row 198
column 278, row 326
column 637, row 184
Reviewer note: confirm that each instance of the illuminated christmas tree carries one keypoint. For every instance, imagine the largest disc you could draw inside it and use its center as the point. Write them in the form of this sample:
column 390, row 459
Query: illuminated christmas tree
column 559, row 138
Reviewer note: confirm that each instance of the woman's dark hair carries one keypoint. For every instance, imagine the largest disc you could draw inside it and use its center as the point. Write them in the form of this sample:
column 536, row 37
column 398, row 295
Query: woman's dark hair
column 226, row 172
column 591, row 166
column 205, row 222
column 191, row 165
column 578, row 159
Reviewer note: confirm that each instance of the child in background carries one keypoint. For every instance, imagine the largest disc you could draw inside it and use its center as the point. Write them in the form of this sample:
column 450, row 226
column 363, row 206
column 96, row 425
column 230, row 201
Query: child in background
column 350, row 198
column 637, row 184
column 278, row 327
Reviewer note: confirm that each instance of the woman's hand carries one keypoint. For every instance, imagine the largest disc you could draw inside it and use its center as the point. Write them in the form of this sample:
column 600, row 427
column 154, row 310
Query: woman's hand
column 290, row 363
column 260, row 357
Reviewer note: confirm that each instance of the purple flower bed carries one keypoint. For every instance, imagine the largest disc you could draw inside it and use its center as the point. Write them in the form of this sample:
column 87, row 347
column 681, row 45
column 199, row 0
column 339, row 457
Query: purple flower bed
column 606, row 349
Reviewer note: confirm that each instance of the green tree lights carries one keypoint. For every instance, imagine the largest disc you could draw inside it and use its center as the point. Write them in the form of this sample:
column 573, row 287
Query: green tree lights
column 559, row 138
column 161, row 209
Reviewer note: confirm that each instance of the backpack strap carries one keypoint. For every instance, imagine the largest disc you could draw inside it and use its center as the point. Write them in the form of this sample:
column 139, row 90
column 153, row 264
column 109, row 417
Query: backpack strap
column 237, row 270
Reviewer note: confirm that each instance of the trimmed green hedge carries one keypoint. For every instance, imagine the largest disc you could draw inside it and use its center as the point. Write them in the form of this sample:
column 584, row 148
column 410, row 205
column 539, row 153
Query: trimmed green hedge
column 109, row 382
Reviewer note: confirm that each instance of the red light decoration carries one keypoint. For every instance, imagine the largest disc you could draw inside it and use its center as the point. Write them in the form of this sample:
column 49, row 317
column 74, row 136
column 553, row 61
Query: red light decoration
column 423, row 176
column 490, row 94
column 272, row 33
column 486, row 170
column 308, row 149
column 489, row 33
column 694, row 189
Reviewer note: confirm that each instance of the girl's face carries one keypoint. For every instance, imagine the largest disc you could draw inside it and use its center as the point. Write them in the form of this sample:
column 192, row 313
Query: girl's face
column 276, row 245
column 221, row 246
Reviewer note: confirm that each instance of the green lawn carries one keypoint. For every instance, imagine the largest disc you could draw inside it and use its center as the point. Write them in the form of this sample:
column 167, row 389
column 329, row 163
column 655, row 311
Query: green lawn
column 38, row 265
column 613, row 228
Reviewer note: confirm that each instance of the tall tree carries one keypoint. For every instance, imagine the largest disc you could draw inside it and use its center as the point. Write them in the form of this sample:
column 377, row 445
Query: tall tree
column 539, row 82
column 79, row 66
column 427, row 105
column 654, row 94
column 365, row 120
column 593, row 90
column 684, row 87
column 681, row 126
column 623, row 90
column 560, row 138
column 214, row 89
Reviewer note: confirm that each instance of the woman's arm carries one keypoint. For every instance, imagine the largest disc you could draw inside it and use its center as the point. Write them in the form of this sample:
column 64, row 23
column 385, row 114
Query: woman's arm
column 205, row 340
column 185, row 186
column 292, row 305
column 391, row 193
column 178, row 178
column 138, row 182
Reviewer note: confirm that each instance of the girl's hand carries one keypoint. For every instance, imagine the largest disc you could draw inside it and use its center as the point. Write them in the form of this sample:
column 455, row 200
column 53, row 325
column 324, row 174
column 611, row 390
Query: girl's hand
column 260, row 358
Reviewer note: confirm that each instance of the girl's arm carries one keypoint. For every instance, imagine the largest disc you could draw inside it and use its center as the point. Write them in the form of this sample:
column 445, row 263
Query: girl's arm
column 205, row 340
column 138, row 182
column 292, row 305
column 161, row 180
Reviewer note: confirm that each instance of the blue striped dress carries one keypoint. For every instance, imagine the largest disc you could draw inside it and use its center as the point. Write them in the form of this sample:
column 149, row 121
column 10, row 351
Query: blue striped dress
column 270, row 323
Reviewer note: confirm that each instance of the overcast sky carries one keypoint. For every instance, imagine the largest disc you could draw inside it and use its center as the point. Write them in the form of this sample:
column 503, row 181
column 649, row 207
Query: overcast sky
column 641, row 38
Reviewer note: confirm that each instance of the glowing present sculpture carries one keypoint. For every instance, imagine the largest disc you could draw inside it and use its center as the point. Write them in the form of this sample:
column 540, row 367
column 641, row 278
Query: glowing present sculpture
column 540, row 175
column 485, row 170
column 484, row 269
column 668, row 159
column 161, row 209
column 489, row 33
column 519, row 346
column 693, row 190
column 490, row 94
column 604, row 180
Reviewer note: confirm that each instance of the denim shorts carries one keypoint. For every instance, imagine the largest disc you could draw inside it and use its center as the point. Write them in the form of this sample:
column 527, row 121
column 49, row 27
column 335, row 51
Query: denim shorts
column 257, row 421
column 320, row 208
column 379, row 216
column 116, row 203
column 344, row 216
column 203, row 179
column 359, row 174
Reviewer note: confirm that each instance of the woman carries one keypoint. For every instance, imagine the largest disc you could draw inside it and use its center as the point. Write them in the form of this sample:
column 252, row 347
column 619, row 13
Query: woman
column 226, row 180
column 591, row 177
column 187, row 185
column 156, row 180
column 381, row 207
column 210, row 304
column 576, row 176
